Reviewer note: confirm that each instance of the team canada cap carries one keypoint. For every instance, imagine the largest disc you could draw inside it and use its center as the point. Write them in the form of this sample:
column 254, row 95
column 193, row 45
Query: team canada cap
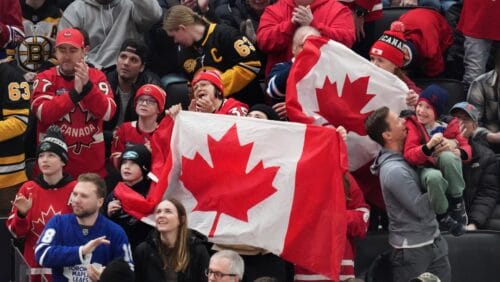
column 468, row 108
column 70, row 36
column 54, row 142
column 154, row 91
column 391, row 44
column 210, row 75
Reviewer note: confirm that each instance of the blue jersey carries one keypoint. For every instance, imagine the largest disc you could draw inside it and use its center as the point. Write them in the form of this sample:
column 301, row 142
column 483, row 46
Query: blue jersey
column 59, row 246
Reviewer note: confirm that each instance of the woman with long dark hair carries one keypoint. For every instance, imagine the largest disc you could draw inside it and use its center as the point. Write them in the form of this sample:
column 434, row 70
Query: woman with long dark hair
column 172, row 252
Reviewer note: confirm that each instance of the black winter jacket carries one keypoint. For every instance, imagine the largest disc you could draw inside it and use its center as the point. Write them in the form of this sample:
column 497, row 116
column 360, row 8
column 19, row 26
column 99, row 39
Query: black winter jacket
column 149, row 266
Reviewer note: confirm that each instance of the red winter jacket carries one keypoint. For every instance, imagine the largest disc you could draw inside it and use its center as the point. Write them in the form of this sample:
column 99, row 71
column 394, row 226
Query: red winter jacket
column 275, row 32
column 417, row 137
column 480, row 19
column 431, row 37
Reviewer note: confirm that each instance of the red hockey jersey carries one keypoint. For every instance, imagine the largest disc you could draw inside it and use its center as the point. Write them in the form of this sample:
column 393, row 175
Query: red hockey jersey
column 233, row 107
column 80, row 123
column 47, row 202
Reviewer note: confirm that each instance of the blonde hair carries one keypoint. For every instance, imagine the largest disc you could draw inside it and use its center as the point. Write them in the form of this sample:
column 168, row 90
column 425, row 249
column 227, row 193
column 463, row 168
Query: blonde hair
column 181, row 15
column 177, row 258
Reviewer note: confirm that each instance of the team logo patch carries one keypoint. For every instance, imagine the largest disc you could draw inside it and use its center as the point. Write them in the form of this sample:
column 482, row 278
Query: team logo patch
column 189, row 65
column 32, row 52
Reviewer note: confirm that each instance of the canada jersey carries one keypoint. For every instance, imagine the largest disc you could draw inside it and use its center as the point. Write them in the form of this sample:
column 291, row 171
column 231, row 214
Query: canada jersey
column 222, row 48
column 128, row 134
column 81, row 123
column 46, row 203
column 14, row 111
column 233, row 107
column 59, row 247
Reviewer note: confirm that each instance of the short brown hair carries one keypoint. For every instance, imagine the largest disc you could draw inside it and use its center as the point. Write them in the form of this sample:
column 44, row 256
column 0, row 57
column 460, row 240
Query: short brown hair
column 376, row 124
column 181, row 15
column 95, row 179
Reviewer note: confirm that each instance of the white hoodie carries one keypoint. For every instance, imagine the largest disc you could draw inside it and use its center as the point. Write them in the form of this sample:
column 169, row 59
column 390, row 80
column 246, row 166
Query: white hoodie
column 110, row 24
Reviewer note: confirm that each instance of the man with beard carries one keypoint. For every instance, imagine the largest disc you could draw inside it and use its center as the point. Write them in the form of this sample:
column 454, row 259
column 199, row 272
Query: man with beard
column 78, row 99
column 77, row 246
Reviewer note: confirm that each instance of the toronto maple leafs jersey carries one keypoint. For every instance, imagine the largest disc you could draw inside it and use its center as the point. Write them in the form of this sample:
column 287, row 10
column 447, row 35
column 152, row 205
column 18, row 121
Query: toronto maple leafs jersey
column 81, row 122
column 59, row 247
column 14, row 111
column 47, row 201
column 224, row 49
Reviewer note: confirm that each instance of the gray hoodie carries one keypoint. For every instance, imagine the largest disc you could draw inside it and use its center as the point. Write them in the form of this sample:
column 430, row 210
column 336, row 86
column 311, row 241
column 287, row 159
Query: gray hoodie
column 109, row 25
column 412, row 222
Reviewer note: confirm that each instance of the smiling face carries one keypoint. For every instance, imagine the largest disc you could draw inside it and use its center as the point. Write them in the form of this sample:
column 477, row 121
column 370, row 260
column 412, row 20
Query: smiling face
column 425, row 113
column 167, row 217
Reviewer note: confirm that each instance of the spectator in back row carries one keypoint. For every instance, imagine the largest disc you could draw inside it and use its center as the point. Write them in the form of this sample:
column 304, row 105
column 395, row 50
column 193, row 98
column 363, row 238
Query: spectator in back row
column 206, row 45
column 280, row 20
column 78, row 99
column 482, row 188
column 109, row 23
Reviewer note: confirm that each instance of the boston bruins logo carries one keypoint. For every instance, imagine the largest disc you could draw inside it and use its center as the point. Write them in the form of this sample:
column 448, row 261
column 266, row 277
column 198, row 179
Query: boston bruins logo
column 33, row 52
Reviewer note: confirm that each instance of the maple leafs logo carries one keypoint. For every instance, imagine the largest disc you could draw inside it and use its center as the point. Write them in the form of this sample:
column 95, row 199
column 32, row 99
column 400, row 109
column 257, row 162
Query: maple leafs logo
column 38, row 225
column 227, row 187
column 78, row 132
column 345, row 109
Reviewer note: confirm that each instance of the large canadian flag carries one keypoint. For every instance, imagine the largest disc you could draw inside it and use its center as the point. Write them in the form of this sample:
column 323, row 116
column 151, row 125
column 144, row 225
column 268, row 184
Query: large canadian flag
column 267, row 184
column 330, row 84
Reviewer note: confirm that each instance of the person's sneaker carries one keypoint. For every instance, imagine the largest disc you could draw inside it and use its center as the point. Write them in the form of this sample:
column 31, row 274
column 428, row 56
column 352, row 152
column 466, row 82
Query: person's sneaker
column 451, row 225
column 458, row 213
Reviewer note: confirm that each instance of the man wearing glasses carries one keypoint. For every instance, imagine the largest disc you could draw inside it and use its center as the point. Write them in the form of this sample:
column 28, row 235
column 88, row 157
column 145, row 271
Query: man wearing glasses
column 225, row 265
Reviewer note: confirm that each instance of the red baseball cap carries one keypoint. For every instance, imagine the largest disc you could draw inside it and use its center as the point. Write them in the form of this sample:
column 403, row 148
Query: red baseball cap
column 70, row 36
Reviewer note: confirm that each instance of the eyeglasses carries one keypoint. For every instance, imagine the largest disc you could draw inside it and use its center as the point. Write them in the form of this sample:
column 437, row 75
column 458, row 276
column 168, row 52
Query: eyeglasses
column 146, row 101
column 218, row 275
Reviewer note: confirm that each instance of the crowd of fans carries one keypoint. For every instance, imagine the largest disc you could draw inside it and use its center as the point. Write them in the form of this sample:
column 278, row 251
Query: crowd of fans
column 83, row 87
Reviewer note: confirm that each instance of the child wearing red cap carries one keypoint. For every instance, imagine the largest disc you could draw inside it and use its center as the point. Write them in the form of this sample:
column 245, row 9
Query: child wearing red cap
column 438, row 148
column 149, row 105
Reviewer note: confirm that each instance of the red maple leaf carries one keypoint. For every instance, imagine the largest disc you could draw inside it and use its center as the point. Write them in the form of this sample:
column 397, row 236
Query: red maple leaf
column 78, row 132
column 227, row 187
column 345, row 110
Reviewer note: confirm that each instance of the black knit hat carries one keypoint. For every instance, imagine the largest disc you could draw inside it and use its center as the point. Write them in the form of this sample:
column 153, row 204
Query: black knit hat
column 140, row 155
column 54, row 142
column 269, row 111
column 117, row 270
column 136, row 47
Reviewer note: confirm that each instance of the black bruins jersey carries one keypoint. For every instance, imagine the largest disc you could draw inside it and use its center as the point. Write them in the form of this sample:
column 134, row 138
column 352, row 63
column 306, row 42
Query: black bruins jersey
column 14, row 111
column 224, row 49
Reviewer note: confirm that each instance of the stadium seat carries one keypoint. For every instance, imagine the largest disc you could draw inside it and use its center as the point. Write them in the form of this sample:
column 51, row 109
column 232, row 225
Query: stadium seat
column 454, row 87
column 473, row 256
column 389, row 15
column 176, row 87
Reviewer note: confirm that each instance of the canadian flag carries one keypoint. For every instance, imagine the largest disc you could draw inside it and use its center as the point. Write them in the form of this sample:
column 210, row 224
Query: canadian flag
column 330, row 84
column 267, row 184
